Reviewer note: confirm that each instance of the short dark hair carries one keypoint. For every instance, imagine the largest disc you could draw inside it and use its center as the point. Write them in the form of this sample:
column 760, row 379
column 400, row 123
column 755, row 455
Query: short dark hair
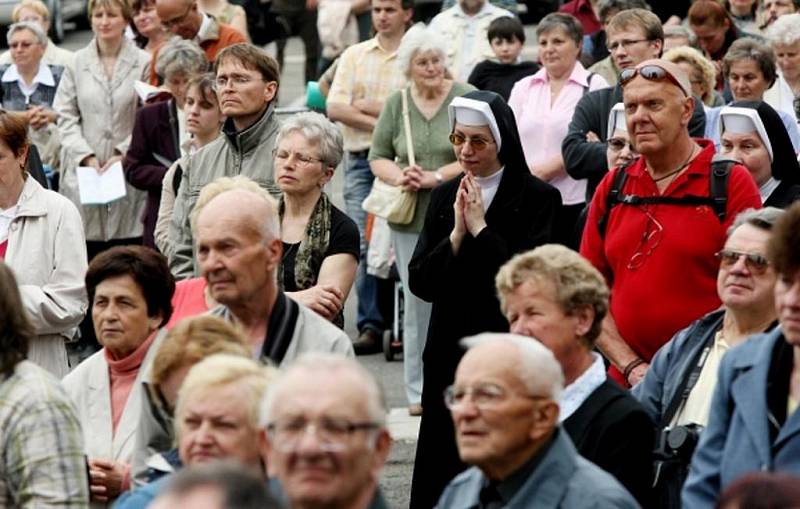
column 783, row 247
column 16, row 331
column 404, row 4
column 605, row 8
column 506, row 28
column 241, row 489
column 147, row 267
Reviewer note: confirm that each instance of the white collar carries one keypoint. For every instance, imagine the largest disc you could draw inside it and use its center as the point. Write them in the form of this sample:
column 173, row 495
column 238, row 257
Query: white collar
column 44, row 76
column 768, row 188
column 492, row 180
column 205, row 25
column 579, row 391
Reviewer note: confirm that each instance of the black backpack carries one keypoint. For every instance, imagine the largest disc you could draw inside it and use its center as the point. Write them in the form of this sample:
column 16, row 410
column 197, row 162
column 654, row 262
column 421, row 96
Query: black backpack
column 717, row 197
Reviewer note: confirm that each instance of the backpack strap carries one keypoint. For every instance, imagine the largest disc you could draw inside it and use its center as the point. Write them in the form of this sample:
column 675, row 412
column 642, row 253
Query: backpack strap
column 612, row 198
column 718, row 185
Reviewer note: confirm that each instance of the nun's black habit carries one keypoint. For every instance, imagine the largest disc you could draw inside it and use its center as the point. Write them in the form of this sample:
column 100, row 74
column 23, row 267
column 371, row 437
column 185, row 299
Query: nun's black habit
column 785, row 168
column 461, row 287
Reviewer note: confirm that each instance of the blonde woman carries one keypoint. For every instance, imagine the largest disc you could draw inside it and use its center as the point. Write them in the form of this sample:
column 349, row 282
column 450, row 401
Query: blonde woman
column 701, row 73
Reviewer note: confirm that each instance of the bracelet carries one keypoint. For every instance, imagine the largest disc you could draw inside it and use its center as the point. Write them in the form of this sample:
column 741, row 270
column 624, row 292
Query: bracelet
column 631, row 366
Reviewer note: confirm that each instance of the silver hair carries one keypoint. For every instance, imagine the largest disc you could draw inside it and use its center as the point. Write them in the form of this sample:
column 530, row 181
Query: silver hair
column 313, row 363
column 27, row 25
column 763, row 219
column 317, row 130
column 676, row 31
column 419, row 39
column 539, row 370
column 567, row 22
column 179, row 55
column 785, row 30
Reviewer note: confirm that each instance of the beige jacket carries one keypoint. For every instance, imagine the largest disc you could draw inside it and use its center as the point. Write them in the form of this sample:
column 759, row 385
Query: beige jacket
column 96, row 116
column 47, row 253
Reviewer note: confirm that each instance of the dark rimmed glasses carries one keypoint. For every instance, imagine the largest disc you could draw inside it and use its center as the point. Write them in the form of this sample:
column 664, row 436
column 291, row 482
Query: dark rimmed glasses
column 650, row 72
column 332, row 433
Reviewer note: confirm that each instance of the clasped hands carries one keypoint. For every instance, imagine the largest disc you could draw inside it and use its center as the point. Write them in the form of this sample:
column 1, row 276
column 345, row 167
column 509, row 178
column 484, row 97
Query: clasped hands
column 413, row 178
column 470, row 216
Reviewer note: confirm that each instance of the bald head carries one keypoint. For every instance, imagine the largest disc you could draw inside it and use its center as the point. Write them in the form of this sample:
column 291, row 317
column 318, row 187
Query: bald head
column 243, row 208
column 180, row 17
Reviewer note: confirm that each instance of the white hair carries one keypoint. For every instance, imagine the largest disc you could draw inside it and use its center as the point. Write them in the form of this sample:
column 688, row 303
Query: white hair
column 539, row 370
column 419, row 39
column 316, row 129
column 785, row 30
column 33, row 27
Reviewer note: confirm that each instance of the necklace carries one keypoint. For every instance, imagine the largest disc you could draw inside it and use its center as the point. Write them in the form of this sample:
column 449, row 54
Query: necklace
column 677, row 170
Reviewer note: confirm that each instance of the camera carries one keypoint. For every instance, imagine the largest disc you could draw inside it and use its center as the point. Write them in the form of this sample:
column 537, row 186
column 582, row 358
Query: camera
column 678, row 442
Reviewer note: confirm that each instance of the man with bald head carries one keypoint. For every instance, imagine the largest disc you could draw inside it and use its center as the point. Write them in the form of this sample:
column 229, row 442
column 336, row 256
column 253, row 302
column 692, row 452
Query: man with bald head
column 239, row 249
column 184, row 19
column 654, row 228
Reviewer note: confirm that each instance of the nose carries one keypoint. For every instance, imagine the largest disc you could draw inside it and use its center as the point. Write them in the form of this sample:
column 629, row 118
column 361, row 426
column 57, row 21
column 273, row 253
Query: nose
column 740, row 266
column 309, row 442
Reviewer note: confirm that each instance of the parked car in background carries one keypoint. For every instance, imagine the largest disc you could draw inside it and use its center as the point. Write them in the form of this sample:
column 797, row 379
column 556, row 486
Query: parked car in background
column 60, row 12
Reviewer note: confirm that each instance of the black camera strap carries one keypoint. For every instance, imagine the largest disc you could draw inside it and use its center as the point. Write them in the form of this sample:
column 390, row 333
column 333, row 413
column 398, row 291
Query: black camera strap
column 687, row 383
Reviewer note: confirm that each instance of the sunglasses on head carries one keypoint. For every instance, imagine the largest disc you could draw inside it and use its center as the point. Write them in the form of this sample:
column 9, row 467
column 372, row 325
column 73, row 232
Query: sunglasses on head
column 754, row 262
column 477, row 144
column 650, row 72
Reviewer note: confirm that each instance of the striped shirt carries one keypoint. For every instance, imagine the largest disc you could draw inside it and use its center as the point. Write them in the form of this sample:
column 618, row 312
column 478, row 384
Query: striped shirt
column 366, row 71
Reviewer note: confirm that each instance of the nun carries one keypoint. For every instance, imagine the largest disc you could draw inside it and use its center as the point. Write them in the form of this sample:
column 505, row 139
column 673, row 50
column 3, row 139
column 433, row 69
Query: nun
column 474, row 224
column 753, row 133
column 620, row 152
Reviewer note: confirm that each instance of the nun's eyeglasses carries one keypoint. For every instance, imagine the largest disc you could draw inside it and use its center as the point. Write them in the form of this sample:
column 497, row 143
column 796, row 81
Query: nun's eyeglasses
column 477, row 143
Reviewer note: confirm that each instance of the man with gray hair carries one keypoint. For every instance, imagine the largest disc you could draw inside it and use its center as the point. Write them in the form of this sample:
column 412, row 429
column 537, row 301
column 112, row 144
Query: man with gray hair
column 504, row 404
column 326, row 447
column 239, row 251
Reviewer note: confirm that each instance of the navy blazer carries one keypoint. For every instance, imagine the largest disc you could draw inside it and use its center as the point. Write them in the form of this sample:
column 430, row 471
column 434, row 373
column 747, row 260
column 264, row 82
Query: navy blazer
column 737, row 439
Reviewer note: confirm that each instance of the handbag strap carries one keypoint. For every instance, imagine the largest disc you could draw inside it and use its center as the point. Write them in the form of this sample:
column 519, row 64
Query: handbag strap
column 407, row 127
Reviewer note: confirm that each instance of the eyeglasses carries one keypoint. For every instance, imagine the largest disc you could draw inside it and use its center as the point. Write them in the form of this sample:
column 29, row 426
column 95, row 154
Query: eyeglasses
column 235, row 80
column 651, row 238
column 756, row 263
column 332, row 433
column 477, row 143
column 617, row 144
column 484, row 396
column 302, row 159
column 625, row 44
column 21, row 44
column 169, row 23
column 651, row 72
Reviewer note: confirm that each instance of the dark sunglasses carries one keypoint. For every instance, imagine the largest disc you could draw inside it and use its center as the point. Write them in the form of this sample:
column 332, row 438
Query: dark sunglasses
column 755, row 262
column 650, row 73
column 477, row 143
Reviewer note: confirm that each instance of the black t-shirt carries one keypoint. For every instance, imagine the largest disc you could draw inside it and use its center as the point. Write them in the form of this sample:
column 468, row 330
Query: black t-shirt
column 344, row 239
column 500, row 78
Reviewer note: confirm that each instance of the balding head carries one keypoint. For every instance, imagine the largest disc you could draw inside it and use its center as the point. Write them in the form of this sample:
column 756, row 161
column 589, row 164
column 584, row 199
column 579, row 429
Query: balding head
column 180, row 17
column 244, row 208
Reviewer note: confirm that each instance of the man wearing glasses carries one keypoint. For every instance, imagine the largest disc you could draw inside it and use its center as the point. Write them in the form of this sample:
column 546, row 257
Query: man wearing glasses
column 654, row 239
column 184, row 19
column 633, row 35
column 326, row 447
column 504, row 405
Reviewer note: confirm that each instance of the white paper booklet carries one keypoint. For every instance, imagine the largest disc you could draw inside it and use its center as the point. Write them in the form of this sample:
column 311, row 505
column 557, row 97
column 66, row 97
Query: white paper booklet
column 97, row 189
column 146, row 91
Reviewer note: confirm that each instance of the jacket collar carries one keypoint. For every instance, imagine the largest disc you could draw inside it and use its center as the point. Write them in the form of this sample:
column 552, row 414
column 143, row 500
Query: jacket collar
column 32, row 200
column 125, row 61
column 248, row 139
column 549, row 481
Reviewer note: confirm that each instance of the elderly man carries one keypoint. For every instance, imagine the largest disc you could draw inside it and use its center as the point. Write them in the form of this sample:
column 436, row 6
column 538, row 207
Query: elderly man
column 774, row 9
column 555, row 296
column 677, row 389
column 247, row 83
column 636, row 232
column 184, row 19
column 238, row 250
column 465, row 25
column 504, row 405
column 633, row 36
column 326, row 447
column 367, row 74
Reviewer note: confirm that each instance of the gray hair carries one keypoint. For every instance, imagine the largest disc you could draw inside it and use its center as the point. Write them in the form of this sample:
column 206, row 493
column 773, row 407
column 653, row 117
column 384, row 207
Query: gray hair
column 419, row 39
column 316, row 362
column 567, row 22
column 763, row 219
column 751, row 49
column 680, row 32
column 179, row 55
column 539, row 370
column 318, row 130
column 27, row 25
column 605, row 7
column 785, row 30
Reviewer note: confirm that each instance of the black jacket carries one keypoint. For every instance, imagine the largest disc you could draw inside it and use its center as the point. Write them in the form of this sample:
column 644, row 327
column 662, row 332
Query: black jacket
column 587, row 160
column 784, row 195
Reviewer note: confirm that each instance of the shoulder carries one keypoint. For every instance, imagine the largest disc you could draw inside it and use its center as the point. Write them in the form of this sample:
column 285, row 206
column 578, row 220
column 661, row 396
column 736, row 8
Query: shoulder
column 314, row 333
column 31, row 385
column 142, row 497
column 756, row 347
column 355, row 50
column 460, row 89
column 342, row 222
column 595, row 487
column 75, row 380
column 463, row 490
column 230, row 34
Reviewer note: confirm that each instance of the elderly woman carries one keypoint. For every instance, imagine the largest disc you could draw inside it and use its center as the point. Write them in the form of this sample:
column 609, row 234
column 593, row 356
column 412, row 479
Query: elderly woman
column 620, row 151
column 96, row 106
column 752, row 133
column 37, row 12
column 422, row 59
column 474, row 224
column 677, row 389
column 701, row 73
column 320, row 243
column 41, row 240
column 784, row 38
column 29, row 85
column 130, row 288
column 752, row 420
column 160, row 129
column 150, row 33
column 216, row 418
column 543, row 105
column 749, row 68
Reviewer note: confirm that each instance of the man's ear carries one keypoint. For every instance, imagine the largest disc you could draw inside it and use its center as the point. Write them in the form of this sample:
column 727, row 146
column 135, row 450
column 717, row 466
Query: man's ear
column 274, row 253
column 688, row 110
column 270, row 90
column 383, row 445
column 546, row 419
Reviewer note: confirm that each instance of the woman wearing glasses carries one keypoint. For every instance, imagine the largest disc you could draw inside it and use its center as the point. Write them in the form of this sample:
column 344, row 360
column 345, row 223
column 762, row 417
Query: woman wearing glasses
column 422, row 58
column 543, row 105
column 320, row 243
column 620, row 152
column 473, row 225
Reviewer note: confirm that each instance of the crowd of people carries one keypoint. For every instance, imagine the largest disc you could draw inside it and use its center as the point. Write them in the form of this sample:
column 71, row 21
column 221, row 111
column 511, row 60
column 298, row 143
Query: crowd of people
column 597, row 255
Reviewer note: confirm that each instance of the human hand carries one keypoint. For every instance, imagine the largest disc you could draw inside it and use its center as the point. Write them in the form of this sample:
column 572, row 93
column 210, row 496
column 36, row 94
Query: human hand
column 109, row 163
column 106, row 478
column 637, row 374
column 592, row 137
column 474, row 215
column 92, row 162
column 411, row 179
column 460, row 227
column 39, row 116
column 325, row 300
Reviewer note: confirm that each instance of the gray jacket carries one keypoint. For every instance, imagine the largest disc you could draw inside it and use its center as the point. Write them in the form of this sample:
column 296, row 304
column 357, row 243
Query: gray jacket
column 247, row 153
column 563, row 479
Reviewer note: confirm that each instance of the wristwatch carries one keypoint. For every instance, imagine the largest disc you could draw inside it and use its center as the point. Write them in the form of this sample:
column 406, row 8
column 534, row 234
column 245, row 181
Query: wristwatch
column 439, row 177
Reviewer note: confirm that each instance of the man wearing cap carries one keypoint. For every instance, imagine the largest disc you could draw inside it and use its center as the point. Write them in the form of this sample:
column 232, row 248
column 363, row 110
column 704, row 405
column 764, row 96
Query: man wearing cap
column 473, row 225
column 657, row 254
